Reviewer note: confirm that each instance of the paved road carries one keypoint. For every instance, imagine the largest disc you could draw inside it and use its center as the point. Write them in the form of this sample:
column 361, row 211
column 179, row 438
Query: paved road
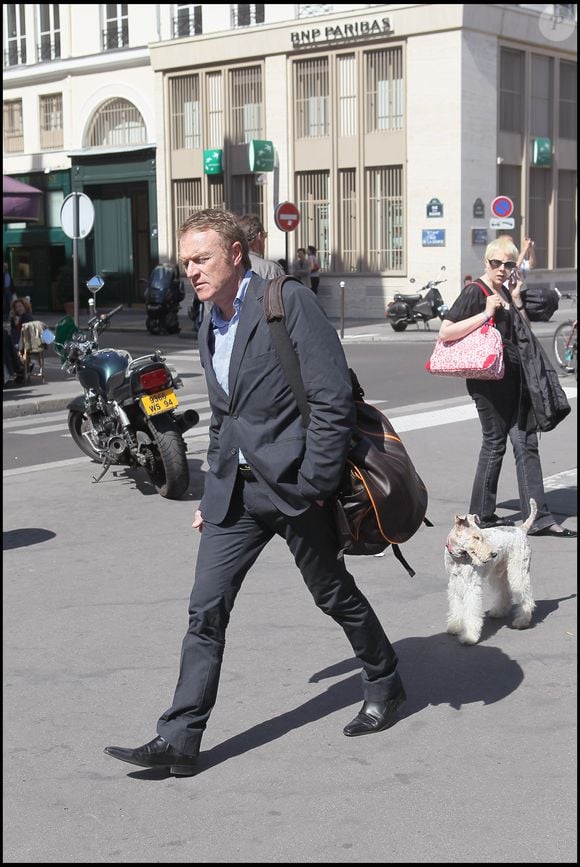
column 480, row 768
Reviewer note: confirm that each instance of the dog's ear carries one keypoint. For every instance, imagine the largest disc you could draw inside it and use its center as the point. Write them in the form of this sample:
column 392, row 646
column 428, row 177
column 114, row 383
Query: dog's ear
column 476, row 519
column 462, row 520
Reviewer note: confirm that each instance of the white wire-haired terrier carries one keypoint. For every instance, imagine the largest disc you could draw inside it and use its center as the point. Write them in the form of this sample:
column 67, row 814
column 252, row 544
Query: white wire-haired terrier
column 503, row 555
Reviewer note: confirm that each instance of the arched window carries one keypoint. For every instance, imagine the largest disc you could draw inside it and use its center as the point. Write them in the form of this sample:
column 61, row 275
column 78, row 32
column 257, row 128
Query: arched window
column 117, row 123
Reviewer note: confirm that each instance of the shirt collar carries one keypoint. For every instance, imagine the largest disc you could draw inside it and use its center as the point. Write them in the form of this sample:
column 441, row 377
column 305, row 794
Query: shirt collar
column 217, row 320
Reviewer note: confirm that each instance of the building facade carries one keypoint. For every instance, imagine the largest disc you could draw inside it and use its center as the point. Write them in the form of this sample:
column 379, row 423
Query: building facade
column 401, row 133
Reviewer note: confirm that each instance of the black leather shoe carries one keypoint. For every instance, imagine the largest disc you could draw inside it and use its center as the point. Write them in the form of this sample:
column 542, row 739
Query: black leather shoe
column 564, row 533
column 375, row 716
column 494, row 521
column 156, row 754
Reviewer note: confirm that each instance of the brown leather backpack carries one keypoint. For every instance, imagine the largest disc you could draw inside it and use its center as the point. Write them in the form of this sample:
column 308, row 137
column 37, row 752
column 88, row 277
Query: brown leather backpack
column 382, row 500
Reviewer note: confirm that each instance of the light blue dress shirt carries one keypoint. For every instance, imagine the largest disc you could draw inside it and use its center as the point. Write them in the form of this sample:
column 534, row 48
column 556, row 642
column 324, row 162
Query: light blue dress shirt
column 224, row 331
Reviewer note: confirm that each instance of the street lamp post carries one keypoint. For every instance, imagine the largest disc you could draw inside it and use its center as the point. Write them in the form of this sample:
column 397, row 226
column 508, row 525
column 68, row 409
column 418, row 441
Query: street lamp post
column 342, row 285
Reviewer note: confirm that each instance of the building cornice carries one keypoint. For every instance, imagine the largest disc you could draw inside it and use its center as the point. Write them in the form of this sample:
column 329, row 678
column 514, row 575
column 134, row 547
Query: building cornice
column 56, row 70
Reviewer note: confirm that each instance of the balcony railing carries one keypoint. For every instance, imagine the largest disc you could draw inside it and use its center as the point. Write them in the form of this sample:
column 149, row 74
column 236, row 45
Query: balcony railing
column 13, row 142
column 187, row 23
column 15, row 55
column 49, row 48
column 115, row 37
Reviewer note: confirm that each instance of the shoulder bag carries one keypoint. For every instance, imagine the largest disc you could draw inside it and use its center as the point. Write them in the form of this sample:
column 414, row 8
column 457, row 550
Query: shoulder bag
column 381, row 500
column 478, row 355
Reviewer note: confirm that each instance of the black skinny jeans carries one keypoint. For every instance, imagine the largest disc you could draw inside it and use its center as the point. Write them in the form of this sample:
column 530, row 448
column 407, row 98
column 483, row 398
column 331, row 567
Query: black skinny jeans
column 503, row 408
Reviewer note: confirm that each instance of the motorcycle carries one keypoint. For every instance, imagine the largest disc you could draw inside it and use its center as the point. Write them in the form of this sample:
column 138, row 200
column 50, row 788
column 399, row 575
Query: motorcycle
column 163, row 295
column 406, row 310
column 126, row 415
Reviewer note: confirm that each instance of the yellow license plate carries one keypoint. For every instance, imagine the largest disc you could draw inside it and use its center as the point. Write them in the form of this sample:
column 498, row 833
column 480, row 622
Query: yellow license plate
column 163, row 401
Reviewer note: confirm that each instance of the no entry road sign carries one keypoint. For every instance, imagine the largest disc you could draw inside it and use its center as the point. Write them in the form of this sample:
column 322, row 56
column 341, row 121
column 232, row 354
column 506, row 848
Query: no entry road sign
column 502, row 206
column 77, row 225
column 286, row 216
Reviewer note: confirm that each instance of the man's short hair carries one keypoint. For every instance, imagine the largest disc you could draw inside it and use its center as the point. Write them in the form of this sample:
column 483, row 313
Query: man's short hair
column 252, row 226
column 224, row 223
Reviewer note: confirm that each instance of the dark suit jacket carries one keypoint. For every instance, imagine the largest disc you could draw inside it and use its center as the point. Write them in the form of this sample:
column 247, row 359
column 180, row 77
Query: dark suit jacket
column 260, row 416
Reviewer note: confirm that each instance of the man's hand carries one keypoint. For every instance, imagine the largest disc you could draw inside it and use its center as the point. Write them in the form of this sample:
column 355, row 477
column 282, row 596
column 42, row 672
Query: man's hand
column 198, row 521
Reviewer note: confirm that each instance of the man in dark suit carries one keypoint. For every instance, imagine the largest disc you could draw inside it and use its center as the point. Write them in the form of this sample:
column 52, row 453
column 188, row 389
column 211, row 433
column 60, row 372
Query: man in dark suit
column 267, row 475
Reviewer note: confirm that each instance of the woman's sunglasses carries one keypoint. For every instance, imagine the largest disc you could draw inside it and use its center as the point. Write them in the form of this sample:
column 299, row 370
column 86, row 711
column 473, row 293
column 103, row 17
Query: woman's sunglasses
column 497, row 263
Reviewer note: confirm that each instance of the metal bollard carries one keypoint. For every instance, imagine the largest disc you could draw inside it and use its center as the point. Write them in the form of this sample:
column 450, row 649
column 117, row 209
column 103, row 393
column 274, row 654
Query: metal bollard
column 342, row 284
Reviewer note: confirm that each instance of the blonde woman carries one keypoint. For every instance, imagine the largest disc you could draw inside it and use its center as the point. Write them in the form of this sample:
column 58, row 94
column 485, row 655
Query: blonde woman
column 503, row 406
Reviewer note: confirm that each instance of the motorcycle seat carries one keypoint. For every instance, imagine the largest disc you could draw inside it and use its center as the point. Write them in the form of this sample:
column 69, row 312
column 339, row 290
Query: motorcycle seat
column 410, row 299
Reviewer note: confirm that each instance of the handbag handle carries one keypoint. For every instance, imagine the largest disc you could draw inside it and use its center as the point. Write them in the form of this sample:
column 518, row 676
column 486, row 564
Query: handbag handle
column 490, row 322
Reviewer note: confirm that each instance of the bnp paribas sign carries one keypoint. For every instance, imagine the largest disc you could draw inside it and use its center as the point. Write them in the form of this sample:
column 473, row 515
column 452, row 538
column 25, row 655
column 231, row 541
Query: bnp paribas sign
column 344, row 32
column 261, row 156
column 213, row 162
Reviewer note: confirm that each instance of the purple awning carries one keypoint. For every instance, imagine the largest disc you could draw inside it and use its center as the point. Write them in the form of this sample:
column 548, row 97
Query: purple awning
column 20, row 202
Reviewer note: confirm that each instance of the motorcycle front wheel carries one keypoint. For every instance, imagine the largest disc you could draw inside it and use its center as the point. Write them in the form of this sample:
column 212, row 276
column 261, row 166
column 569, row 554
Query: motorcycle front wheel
column 398, row 326
column 168, row 469
column 83, row 435
column 171, row 323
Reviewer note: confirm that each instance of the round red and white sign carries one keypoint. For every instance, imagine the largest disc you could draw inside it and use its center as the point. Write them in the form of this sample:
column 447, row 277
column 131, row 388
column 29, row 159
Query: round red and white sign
column 286, row 216
column 502, row 206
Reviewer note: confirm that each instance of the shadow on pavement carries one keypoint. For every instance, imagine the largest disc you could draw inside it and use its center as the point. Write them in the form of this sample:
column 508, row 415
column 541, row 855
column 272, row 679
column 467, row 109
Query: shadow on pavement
column 436, row 670
column 562, row 503
column 24, row 537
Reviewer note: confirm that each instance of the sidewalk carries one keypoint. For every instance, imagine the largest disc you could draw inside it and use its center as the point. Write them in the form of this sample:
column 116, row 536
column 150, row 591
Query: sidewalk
column 60, row 388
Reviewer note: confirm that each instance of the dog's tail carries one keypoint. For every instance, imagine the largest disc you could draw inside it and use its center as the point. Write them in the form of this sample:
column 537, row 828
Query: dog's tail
column 531, row 517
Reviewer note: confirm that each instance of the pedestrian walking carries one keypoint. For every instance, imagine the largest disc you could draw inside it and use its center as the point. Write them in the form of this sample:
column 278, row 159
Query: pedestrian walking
column 314, row 268
column 267, row 475
column 503, row 406
column 8, row 296
column 301, row 267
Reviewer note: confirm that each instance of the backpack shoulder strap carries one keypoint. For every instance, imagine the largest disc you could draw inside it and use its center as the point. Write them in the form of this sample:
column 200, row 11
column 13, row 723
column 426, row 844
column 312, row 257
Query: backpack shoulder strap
column 273, row 301
column 274, row 313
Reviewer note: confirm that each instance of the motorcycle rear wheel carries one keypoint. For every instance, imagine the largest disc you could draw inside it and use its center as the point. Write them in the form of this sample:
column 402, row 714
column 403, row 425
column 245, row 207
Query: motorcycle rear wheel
column 81, row 431
column 398, row 326
column 170, row 323
column 168, row 469
column 152, row 325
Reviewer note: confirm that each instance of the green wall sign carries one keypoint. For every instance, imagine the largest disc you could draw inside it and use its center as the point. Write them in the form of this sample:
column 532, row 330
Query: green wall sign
column 261, row 156
column 542, row 152
column 212, row 162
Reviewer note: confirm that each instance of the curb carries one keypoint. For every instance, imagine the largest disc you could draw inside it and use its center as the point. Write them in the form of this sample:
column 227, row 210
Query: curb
column 34, row 407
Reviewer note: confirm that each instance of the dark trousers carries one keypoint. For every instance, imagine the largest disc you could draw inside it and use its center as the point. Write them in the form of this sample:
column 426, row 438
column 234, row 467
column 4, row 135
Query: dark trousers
column 503, row 409
column 226, row 553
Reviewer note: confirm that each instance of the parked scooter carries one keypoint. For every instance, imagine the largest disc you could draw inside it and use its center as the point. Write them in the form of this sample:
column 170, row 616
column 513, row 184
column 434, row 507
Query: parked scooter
column 126, row 414
column 163, row 295
column 406, row 310
column 196, row 313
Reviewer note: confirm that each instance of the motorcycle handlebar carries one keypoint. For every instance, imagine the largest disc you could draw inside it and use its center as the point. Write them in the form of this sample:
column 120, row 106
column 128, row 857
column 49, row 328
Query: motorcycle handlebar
column 101, row 320
column 434, row 283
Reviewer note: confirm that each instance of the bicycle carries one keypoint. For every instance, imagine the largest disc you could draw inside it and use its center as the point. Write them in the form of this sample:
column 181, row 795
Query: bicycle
column 566, row 346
